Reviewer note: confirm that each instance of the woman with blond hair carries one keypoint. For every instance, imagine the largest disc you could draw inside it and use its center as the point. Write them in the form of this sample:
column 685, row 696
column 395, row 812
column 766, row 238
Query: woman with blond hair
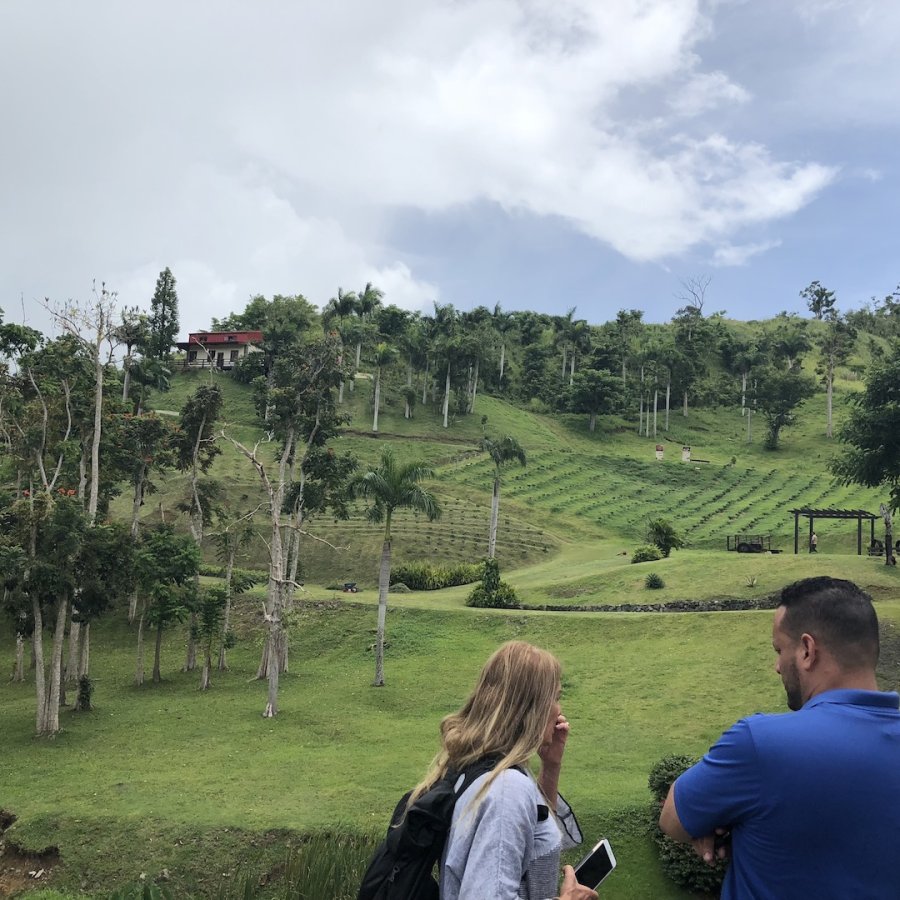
column 508, row 829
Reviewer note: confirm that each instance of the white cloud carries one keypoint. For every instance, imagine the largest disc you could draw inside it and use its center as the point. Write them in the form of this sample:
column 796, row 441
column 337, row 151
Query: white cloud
column 740, row 255
column 268, row 148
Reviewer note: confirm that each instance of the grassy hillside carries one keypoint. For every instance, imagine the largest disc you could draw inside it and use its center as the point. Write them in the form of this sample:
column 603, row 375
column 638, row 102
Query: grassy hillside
column 577, row 486
column 199, row 785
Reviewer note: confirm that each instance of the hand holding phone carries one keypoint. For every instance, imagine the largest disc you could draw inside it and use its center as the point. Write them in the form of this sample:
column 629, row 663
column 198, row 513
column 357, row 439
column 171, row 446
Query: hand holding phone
column 596, row 865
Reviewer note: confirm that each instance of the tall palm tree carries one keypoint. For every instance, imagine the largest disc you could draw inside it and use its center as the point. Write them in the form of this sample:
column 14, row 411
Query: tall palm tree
column 384, row 356
column 392, row 486
column 367, row 301
column 503, row 451
column 340, row 308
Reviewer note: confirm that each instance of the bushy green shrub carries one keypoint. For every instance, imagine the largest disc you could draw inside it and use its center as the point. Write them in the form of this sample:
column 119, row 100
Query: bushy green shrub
column 646, row 553
column 679, row 861
column 426, row 577
column 654, row 582
column 492, row 592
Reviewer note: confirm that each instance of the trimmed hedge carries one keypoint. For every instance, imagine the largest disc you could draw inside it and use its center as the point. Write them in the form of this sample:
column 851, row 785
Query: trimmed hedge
column 647, row 553
column 679, row 861
column 426, row 577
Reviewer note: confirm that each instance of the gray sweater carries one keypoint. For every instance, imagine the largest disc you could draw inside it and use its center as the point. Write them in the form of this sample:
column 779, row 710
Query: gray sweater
column 501, row 850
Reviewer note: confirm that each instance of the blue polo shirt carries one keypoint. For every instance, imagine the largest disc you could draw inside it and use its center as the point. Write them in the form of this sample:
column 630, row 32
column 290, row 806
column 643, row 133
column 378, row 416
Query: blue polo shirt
column 812, row 798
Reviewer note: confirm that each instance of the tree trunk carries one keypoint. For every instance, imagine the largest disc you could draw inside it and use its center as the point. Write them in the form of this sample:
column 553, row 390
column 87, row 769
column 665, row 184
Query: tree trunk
column 655, row 405
column 685, row 409
column 207, row 666
column 126, row 380
column 226, row 617
column 425, row 383
column 829, row 394
column 743, row 392
column 384, row 575
column 377, row 399
column 593, row 421
column 37, row 649
column 474, row 388
column 502, row 362
column 572, row 369
column 495, row 517
column 341, row 393
column 139, row 666
column 641, row 416
column 71, row 675
column 84, row 666
column 95, row 440
column 447, row 397
column 157, row 678
column 51, row 716
column 19, row 668
column 563, row 373
column 668, row 397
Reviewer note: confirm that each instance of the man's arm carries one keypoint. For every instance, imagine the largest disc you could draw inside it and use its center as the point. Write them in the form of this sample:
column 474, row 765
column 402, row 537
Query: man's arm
column 704, row 847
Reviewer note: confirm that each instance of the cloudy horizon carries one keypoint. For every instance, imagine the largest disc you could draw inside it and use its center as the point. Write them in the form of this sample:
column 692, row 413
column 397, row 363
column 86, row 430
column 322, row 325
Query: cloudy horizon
column 539, row 154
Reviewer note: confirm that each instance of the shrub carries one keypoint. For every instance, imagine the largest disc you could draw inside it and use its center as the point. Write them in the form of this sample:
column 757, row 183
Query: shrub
column 679, row 861
column 663, row 535
column 646, row 553
column 492, row 592
column 654, row 582
column 426, row 577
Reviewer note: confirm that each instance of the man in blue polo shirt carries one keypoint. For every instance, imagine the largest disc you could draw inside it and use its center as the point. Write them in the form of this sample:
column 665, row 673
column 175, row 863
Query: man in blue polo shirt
column 810, row 799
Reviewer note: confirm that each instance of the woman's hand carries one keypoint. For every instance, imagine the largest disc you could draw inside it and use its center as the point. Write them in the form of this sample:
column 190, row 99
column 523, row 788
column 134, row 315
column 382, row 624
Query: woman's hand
column 572, row 890
column 551, row 753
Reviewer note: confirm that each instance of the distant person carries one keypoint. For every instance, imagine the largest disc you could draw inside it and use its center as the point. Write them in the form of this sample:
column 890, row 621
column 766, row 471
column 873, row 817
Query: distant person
column 813, row 542
column 508, row 829
column 810, row 799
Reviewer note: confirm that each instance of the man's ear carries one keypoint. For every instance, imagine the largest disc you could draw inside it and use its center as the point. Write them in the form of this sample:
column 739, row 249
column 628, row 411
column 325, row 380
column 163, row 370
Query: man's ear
column 808, row 651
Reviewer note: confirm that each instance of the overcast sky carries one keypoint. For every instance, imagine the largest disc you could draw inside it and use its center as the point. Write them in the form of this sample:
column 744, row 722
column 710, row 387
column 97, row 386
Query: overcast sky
column 539, row 154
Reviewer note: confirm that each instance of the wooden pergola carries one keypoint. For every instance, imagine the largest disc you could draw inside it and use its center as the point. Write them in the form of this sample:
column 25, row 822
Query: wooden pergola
column 813, row 514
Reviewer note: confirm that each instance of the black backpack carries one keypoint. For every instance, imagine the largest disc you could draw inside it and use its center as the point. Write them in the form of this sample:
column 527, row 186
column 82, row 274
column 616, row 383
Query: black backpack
column 403, row 863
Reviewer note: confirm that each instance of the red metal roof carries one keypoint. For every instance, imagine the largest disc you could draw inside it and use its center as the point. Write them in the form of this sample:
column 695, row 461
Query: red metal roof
column 222, row 337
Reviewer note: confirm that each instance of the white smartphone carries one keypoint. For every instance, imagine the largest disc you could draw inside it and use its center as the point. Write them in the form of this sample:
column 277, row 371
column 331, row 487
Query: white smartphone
column 596, row 865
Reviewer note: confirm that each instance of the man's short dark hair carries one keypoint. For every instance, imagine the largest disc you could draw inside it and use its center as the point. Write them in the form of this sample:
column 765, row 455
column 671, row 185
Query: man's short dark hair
column 837, row 613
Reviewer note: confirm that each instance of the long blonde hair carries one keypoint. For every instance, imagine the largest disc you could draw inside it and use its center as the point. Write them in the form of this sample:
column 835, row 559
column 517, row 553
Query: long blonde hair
column 505, row 716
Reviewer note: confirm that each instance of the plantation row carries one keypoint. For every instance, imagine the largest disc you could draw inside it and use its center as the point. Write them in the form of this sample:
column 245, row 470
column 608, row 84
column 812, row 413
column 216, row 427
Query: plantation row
column 707, row 501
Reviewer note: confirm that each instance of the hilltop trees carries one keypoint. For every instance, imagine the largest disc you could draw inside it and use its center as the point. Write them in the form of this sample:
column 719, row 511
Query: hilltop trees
column 389, row 487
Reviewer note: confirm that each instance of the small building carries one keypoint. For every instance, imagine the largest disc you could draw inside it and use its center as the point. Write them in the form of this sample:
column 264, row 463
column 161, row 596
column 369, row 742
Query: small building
column 222, row 349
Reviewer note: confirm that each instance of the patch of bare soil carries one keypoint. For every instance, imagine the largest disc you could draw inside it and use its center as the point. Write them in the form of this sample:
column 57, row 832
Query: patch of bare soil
column 20, row 868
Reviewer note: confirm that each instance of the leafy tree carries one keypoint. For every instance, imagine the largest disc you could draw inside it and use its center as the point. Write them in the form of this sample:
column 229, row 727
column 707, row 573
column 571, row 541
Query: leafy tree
column 132, row 331
column 662, row 534
column 210, row 612
column 162, row 323
column 166, row 566
column 502, row 452
column 595, row 392
column 389, row 487
column 819, row 299
column 778, row 395
column 871, row 435
column 786, row 339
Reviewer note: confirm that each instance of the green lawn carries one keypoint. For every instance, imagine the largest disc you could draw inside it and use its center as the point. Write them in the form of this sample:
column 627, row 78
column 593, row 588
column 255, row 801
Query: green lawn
column 166, row 777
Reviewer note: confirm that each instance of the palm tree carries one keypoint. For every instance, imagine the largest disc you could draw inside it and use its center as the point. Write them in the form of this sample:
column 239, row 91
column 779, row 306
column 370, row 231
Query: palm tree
column 501, row 452
column 367, row 301
column 384, row 356
column 340, row 308
column 392, row 486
